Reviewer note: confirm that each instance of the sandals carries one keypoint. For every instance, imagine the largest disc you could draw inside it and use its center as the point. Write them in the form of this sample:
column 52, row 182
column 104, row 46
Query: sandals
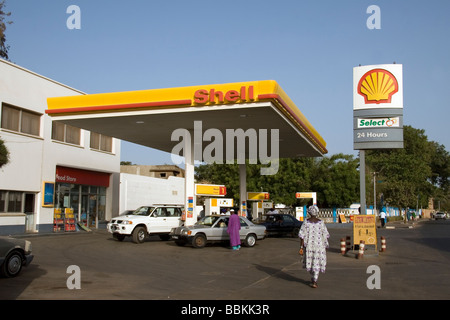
column 313, row 284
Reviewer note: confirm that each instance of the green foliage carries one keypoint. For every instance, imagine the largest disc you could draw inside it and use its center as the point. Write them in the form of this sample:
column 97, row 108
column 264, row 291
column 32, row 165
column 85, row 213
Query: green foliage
column 335, row 179
column 413, row 174
column 4, row 154
column 126, row 163
column 3, row 46
column 406, row 177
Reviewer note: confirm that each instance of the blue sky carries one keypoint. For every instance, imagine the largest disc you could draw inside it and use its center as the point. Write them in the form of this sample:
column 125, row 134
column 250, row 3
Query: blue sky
column 309, row 47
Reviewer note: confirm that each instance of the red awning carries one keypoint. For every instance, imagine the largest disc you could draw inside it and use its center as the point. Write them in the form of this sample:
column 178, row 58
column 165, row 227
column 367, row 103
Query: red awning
column 79, row 176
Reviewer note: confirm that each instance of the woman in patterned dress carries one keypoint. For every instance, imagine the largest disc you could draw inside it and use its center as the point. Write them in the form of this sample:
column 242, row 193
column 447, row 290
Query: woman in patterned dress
column 313, row 244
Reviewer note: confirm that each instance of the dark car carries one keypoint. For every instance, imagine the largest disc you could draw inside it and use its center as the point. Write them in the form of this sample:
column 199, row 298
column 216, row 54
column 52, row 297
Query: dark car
column 14, row 254
column 278, row 224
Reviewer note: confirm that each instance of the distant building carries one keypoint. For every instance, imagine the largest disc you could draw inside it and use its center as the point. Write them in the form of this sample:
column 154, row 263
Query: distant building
column 54, row 168
column 155, row 171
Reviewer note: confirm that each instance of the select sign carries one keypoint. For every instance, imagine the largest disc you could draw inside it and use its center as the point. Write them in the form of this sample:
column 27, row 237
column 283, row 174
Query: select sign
column 379, row 123
column 377, row 133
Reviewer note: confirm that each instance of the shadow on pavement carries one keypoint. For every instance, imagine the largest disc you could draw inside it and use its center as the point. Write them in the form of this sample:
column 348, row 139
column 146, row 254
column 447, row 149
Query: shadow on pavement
column 280, row 274
column 12, row 288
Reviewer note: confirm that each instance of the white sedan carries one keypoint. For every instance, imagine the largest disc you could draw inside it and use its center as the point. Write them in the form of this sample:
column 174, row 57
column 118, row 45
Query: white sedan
column 214, row 228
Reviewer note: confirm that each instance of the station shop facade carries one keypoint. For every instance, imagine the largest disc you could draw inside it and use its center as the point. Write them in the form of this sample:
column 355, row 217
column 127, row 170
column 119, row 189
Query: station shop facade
column 57, row 174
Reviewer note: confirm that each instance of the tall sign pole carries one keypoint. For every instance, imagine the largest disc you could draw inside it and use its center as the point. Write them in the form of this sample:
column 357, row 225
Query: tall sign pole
column 362, row 181
column 377, row 113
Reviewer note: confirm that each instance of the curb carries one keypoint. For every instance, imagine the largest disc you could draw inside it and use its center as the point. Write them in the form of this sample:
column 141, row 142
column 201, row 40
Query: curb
column 50, row 234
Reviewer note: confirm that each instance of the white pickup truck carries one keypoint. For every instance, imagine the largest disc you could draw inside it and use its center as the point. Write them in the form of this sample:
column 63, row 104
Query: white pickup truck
column 146, row 220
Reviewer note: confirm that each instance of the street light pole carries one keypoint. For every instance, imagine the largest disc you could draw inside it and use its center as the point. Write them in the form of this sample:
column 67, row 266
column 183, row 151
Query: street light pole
column 374, row 194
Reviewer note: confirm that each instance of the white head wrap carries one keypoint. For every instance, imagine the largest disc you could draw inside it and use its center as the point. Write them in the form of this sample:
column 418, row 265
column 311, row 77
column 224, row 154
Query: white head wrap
column 313, row 210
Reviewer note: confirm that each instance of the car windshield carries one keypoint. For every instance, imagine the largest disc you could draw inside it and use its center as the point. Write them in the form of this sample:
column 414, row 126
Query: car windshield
column 143, row 211
column 207, row 221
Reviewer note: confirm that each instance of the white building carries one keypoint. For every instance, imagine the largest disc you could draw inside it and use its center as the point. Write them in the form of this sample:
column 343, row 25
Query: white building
column 139, row 190
column 51, row 165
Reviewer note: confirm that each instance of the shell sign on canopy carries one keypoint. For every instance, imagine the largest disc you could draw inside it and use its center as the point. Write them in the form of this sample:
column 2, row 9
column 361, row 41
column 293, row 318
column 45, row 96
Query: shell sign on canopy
column 378, row 87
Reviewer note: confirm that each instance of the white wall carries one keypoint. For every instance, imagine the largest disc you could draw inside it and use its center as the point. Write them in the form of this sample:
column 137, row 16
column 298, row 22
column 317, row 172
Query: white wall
column 136, row 191
column 34, row 159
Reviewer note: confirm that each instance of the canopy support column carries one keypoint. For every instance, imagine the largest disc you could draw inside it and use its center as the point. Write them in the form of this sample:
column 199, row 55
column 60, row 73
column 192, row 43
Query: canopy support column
column 189, row 183
column 243, row 189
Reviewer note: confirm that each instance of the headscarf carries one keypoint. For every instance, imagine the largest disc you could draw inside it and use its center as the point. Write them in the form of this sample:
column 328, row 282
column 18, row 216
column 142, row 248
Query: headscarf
column 313, row 210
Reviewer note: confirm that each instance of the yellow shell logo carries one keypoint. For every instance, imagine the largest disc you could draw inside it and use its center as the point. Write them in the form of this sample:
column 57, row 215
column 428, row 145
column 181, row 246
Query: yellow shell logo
column 377, row 86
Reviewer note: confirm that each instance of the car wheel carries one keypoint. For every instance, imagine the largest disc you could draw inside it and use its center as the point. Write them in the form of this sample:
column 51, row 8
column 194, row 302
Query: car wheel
column 295, row 232
column 12, row 265
column 250, row 240
column 199, row 241
column 139, row 235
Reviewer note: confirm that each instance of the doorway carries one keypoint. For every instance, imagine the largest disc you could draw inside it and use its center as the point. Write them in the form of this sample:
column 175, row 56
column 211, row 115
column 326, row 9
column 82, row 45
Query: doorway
column 29, row 209
column 89, row 205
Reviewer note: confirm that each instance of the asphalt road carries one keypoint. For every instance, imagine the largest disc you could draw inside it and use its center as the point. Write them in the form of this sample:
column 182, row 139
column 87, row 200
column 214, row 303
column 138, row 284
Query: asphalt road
column 414, row 266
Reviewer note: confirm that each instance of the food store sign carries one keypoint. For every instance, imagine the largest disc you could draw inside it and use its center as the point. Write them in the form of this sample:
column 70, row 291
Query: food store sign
column 84, row 177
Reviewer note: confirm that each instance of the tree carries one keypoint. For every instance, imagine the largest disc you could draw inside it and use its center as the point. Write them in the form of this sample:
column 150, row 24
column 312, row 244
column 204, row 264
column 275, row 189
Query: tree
column 413, row 174
column 335, row 179
column 126, row 163
column 4, row 154
column 226, row 174
column 4, row 48
column 440, row 166
column 406, row 177
column 293, row 176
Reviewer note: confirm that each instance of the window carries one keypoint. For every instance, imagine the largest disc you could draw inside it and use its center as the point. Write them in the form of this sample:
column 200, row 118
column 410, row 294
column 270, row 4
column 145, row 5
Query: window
column 2, row 201
column 243, row 223
column 20, row 120
column 101, row 142
column 66, row 133
column 178, row 212
column 10, row 118
column 173, row 212
column 30, row 123
column 11, row 201
column 15, row 201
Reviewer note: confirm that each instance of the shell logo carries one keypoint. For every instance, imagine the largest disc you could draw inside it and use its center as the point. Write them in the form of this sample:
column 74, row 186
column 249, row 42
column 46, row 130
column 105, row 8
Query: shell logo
column 377, row 86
